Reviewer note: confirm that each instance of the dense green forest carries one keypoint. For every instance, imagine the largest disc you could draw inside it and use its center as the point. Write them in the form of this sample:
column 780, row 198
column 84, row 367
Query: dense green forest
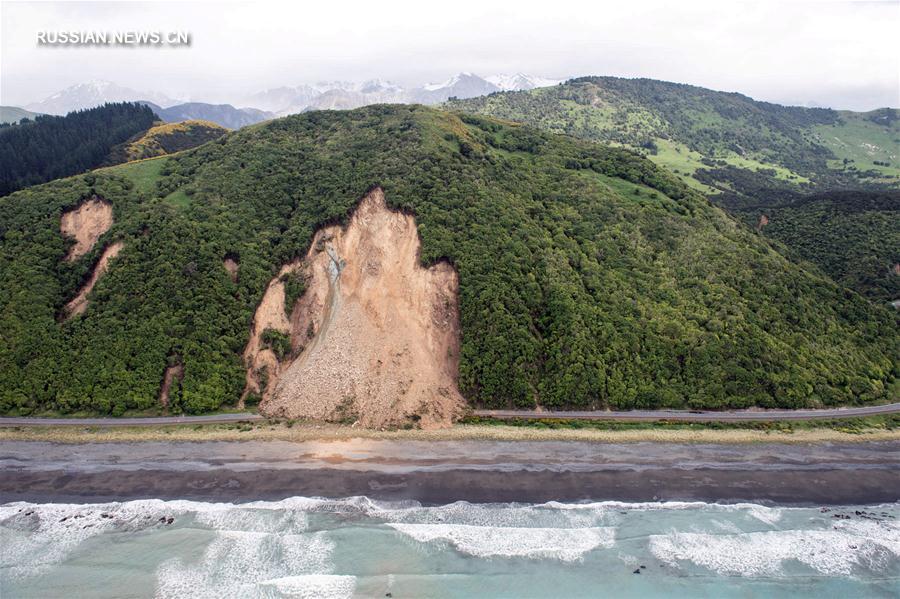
column 854, row 236
column 51, row 147
column 589, row 277
column 746, row 156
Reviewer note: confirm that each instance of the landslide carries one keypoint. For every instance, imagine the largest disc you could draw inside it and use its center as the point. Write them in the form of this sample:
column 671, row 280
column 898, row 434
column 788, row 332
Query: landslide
column 375, row 336
column 85, row 224
column 588, row 277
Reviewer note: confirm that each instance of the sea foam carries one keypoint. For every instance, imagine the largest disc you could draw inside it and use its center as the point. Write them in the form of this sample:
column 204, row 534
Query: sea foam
column 240, row 564
column 839, row 551
column 310, row 586
column 566, row 544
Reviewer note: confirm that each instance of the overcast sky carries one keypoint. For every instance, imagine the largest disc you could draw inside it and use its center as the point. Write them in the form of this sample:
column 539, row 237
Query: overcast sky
column 830, row 53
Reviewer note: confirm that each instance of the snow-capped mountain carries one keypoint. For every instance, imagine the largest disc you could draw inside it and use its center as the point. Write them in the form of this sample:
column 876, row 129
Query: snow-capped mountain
column 327, row 95
column 343, row 95
column 282, row 98
column 281, row 101
column 521, row 81
column 463, row 85
column 95, row 93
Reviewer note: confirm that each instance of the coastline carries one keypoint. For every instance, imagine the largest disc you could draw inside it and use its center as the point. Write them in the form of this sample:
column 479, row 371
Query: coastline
column 440, row 472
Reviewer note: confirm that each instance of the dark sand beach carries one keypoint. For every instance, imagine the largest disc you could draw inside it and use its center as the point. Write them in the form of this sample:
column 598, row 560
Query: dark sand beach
column 437, row 472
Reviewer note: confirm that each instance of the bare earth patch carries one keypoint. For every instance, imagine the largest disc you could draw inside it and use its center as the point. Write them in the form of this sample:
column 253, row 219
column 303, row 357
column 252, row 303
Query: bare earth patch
column 375, row 337
column 232, row 267
column 172, row 374
column 79, row 304
column 86, row 224
column 263, row 367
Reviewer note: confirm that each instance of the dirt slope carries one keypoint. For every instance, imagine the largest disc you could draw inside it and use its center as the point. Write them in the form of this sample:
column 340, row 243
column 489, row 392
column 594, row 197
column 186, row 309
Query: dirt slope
column 86, row 224
column 172, row 373
column 263, row 367
column 79, row 304
column 375, row 335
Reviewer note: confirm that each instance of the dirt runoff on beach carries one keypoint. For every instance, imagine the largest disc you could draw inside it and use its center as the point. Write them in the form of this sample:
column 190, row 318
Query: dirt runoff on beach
column 374, row 339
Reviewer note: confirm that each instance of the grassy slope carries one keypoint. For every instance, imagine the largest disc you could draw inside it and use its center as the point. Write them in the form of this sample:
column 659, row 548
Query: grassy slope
column 800, row 146
column 698, row 129
column 867, row 141
column 589, row 277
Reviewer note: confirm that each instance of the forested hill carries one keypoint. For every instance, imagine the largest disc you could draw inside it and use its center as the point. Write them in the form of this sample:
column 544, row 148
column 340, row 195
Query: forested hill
column 753, row 158
column 730, row 146
column 57, row 146
column 165, row 138
column 589, row 277
column 853, row 236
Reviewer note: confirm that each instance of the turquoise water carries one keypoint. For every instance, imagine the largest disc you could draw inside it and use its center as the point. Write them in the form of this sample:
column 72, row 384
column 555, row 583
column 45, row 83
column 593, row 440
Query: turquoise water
column 361, row 548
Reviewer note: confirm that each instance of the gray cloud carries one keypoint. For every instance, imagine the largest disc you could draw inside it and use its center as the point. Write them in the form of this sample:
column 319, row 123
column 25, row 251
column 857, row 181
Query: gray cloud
column 840, row 54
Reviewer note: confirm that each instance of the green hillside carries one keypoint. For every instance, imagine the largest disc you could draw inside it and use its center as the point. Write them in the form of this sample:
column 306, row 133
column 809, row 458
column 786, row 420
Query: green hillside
column 589, row 277
column 746, row 156
column 724, row 144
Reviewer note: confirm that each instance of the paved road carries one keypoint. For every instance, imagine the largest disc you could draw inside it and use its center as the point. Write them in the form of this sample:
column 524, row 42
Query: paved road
column 646, row 415
column 699, row 416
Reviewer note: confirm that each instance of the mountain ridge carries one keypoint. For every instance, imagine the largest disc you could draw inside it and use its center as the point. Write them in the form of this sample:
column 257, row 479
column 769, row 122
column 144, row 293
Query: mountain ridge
column 94, row 93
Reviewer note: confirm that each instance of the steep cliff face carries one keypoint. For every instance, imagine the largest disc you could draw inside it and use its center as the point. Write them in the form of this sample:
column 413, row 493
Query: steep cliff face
column 375, row 337
column 263, row 364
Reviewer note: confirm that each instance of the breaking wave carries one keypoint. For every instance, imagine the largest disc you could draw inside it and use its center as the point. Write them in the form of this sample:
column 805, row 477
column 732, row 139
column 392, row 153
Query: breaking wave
column 313, row 547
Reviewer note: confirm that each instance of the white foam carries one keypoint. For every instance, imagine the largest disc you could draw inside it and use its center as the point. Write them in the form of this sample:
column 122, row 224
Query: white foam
column 834, row 552
column 253, row 519
column 52, row 531
column 503, row 515
column 764, row 514
column 236, row 563
column 566, row 544
column 311, row 586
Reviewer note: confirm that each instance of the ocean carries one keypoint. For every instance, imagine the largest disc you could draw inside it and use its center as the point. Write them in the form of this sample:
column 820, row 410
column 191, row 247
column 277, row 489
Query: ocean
column 359, row 547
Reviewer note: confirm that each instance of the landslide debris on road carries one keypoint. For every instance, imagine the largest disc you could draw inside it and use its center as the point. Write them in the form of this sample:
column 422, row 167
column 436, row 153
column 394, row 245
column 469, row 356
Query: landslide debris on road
column 86, row 223
column 375, row 337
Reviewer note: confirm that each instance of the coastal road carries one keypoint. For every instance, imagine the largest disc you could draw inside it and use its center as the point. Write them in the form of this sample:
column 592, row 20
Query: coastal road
column 696, row 416
column 633, row 415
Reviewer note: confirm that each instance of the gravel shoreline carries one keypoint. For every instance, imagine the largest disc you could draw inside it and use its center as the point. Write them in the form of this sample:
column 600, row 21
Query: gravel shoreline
column 438, row 472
